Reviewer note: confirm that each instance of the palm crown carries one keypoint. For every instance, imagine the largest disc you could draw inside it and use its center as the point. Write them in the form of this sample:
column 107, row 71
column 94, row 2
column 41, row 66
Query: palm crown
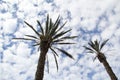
column 95, row 47
column 51, row 35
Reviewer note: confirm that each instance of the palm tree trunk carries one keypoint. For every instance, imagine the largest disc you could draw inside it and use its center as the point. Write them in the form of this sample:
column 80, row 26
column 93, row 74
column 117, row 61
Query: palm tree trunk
column 41, row 62
column 109, row 70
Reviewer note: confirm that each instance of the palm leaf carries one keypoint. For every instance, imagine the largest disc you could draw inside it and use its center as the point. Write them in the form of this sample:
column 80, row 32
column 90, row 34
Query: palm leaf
column 61, row 34
column 54, row 51
column 47, row 25
column 92, row 45
column 55, row 26
column 94, row 58
column 90, row 52
column 32, row 28
column 63, row 43
column 57, row 21
column 66, row 53
column 58, row 40
column 61, row 27
column 56, row 61
column 23, row 39
column 68, row 37
column 102, row 45
column 87, row 48
column 96, row 45
column 50, row 26
column 31, row 36
column 36, row 44
column 40, row 27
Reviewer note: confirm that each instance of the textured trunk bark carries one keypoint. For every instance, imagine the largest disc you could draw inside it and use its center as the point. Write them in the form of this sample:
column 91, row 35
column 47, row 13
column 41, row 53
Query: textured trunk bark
column 41, row 62
column 109, row 70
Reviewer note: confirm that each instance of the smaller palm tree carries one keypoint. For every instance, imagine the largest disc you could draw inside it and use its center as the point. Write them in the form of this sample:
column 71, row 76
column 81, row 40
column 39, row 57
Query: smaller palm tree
column 49, row 36
column 96, row 47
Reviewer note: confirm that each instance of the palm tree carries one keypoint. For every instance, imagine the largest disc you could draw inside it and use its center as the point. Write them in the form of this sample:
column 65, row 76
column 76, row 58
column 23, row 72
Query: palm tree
column 96, row 47
column 46, row 39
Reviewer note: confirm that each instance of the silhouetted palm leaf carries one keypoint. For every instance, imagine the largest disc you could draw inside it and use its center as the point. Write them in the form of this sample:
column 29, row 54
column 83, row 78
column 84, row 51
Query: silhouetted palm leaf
column 102, row 45
column 64, row 43
column 64, row 52
column 58, row 40
column 23, row 39
column 90, row 52
column 56, row 61
column 50, row 26
column 94, row 58
column 96, row 45
column 54, row 51
column 40, row 27
column 68, row 37
column 36, row 44
column 61, row 34
column 89, row 49
column 60, row 27
column 47, row 25
column 31, row 36
column 32, row 28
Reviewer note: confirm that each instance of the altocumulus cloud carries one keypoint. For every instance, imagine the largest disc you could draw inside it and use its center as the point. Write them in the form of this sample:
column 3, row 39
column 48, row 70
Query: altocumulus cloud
column 93, row 19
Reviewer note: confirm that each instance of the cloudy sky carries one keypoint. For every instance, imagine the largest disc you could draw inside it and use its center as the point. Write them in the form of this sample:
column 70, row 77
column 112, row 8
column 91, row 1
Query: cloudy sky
column 89, row 19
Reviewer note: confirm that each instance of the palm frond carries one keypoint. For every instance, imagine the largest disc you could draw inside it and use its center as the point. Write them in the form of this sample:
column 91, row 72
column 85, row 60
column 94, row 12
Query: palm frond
column 57, row 21
column 63, row 43
column 56, row 61
column 61, row 34
column 32, row 28
column 47, row 25
column 58, row 40
column 40, row 27
column 68, row 37
column 90, row 52
column 53, row 51
column 23, row 39
column 61, row 27
column 96, row 45
column 87, row 48
column 36, row 44
column 55, row 26
column 50, row 26
column 64, row 52
column 31, row 36
column 104, row 42
column 94, row 58
column 92, row 45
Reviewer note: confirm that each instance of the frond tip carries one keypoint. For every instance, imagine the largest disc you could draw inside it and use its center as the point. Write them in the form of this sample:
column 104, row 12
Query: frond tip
column 64, row 52
column 104, row 42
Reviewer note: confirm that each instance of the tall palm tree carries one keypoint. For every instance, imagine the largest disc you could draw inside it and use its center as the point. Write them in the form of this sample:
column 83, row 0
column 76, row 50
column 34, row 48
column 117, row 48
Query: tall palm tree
column 96, row 47
column 46, row 39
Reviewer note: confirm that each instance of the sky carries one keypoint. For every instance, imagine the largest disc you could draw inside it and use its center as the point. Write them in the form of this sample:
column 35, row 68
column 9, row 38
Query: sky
column 88, row 19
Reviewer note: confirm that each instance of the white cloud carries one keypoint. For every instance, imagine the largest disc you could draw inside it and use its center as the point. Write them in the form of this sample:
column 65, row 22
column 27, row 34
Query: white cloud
column 108, row 31
column 84, row 14
column 9, row 26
